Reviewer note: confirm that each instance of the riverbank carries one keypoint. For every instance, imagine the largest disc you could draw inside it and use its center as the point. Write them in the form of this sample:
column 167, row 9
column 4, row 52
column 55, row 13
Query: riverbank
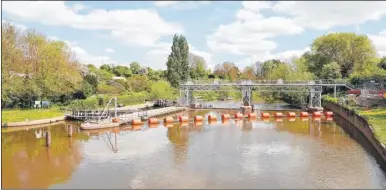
column 29, row 115
column 361, row 124
column 20, row 118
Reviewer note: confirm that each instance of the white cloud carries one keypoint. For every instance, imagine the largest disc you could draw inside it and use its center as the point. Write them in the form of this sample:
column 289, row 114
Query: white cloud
column 206, row 55
column 109, row 50
column 252, row 32
column 139, row 27
column 249, row 34
column 327, row 14
column 83, row 56
column 285, row 56
column 181, row 5
column 157, row 56
column 379, row 42
column 77, row 7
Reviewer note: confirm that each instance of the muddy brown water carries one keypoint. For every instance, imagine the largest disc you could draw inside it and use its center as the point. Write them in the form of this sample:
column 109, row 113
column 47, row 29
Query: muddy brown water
column 242, row 154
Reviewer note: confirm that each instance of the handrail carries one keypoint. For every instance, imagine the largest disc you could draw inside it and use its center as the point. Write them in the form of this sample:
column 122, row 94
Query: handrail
column 322, row 82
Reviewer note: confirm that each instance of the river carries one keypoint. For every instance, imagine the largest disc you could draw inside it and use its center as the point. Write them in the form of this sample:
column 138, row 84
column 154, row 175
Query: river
column 234, row 155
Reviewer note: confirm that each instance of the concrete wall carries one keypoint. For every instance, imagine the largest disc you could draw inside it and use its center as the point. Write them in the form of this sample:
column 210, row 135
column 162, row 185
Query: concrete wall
column 362, row 126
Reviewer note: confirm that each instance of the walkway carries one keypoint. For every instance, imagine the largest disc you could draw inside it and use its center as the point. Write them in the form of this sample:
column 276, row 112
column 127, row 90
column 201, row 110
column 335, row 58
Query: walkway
column 35, row 122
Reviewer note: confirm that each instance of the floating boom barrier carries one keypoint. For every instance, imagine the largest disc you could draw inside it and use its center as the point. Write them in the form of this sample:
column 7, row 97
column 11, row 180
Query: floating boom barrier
column 265, row 116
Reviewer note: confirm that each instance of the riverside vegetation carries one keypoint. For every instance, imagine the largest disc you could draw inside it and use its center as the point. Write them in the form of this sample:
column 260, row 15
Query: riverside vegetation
column 376, row 117
column 38, row 68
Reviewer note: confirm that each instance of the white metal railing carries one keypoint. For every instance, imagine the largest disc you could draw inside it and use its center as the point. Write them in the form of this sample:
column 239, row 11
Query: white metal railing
column 321, row 81
column 325, row 82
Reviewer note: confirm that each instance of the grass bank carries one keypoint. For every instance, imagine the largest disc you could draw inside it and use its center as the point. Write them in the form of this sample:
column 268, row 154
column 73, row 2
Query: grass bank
column 93, row 102
column 376, row 117
column 18, row 115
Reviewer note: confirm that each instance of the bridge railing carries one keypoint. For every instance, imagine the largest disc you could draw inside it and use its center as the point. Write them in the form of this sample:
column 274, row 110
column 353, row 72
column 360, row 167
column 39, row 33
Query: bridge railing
column 219, row 82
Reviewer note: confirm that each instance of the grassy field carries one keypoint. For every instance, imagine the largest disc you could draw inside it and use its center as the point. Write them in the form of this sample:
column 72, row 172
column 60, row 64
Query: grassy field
column 377, row 119
column 31, row 114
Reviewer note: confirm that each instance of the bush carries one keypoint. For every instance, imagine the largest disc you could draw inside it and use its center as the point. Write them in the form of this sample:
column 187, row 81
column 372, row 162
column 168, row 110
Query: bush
column 132, row 98
column 331, row 99
column 161, row 90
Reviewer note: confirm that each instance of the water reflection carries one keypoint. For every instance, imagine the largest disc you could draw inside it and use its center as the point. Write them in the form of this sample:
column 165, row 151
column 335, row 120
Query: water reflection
column 179, row 137
column 27, row 163
column 268, row 153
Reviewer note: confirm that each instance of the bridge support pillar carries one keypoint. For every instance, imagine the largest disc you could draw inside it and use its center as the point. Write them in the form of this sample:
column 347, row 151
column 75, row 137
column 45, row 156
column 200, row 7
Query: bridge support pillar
column 186, row 96
column 246, row 96
column 315, row 102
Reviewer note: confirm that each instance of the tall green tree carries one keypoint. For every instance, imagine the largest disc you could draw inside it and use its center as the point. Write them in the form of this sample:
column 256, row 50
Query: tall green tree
column 178, row 63
column 35, row 67
column 349, row 50
column 331, row 71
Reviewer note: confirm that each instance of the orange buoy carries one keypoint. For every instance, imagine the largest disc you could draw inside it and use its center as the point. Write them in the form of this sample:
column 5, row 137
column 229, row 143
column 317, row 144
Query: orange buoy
column 303, row 114
column 291, row 114
column 317, row 114
column 183, row 119
column 168, row 120
column 225, row 116
column 252, row 115
column 198, row 118
column 265, row 115
column 212, row 117
column 153, row 125
column 278, row 114
column 329, row 114
column 115, row 120
column 153, row 121
column 238, row 115
column 136, row 122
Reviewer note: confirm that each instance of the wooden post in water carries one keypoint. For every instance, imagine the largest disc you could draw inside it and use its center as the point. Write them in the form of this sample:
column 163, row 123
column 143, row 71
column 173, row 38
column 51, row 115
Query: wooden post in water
column 116, row 144
column 69, row 131
column 48, row 139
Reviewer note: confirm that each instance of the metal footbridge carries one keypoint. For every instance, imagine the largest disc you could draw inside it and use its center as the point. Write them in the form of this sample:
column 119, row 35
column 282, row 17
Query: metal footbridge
column 314, row 88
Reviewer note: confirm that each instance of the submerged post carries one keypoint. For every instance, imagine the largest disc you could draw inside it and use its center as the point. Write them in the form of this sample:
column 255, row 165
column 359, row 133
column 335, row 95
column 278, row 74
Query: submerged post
column 115, row 107
column 69, row 130
column 48, row 139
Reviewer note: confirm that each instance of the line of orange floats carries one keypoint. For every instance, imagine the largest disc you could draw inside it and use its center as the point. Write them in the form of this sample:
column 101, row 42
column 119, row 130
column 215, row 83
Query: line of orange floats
column 224, row 117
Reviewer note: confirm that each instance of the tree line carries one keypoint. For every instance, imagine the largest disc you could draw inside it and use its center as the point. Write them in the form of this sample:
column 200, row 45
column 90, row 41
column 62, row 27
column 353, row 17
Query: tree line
column 37, row 68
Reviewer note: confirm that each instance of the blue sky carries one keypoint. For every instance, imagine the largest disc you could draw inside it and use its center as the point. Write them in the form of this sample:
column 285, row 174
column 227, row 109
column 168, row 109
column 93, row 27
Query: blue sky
column 241, row 32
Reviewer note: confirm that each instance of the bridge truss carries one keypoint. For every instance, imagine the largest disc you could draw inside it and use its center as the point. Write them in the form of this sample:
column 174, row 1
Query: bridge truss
column 313, row 88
